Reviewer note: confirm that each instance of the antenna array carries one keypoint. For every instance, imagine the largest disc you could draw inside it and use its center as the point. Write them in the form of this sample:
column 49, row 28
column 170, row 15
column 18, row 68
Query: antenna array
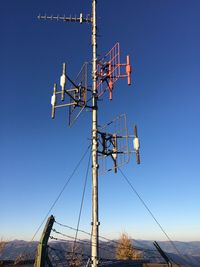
column 110, row 69
column 74, row 97
column 110, row 141
column 114, row 145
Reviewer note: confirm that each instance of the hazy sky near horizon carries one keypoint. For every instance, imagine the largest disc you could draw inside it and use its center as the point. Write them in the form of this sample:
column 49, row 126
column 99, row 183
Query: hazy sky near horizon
column 38, row 154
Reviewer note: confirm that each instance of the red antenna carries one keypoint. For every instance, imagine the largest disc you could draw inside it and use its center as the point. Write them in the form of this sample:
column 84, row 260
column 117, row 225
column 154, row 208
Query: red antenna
column 109, row 70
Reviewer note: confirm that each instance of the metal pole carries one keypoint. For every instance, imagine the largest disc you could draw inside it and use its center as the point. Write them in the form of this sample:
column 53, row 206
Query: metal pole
column 95, row 219
column 41, row 258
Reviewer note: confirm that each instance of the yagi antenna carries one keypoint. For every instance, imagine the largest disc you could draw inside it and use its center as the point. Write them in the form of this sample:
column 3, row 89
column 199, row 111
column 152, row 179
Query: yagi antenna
column 79, row 19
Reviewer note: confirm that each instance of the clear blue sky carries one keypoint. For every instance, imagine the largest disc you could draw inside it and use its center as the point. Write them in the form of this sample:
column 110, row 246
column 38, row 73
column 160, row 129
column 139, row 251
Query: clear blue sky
column 38, row 154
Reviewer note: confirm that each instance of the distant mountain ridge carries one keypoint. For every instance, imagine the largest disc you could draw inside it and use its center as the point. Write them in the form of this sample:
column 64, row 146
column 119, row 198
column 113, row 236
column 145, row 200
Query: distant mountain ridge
column 190, row 248
column 189, row 251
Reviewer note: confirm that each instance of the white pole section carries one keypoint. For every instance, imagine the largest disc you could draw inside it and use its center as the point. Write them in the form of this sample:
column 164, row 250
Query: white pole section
column 95, row 219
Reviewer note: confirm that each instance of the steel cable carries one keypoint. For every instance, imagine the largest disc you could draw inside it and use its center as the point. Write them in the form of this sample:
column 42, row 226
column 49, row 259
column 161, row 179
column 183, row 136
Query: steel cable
column 150, row 212
column 81, row 207
column 58, row 197
column 62, row 190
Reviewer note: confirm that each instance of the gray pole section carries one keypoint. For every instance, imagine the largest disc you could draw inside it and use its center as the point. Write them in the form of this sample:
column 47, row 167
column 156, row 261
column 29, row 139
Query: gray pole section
column 95, row 219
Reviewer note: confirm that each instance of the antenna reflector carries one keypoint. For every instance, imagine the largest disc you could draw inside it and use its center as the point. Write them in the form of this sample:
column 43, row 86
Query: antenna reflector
column 110, row 69
column 113, row 147
column 79, row 100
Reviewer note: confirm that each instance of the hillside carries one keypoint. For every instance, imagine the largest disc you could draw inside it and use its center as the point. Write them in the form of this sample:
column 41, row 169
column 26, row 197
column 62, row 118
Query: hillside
column 189, row 251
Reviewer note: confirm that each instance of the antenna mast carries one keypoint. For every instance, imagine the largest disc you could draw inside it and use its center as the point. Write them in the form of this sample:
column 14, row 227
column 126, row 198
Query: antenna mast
column 105, row 73
column 72, row 94
column 95, row 212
